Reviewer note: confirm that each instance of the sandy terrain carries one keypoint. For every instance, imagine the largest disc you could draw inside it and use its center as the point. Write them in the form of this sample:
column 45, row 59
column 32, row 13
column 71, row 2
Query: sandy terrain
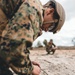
column 61, row 63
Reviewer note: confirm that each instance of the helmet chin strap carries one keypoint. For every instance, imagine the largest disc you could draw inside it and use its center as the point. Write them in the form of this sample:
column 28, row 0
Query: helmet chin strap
column 48, row 22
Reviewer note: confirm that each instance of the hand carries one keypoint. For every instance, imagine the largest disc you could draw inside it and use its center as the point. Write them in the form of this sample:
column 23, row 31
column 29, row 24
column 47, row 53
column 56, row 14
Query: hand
column 55, row 48
column 36, row 63
column 36, row 70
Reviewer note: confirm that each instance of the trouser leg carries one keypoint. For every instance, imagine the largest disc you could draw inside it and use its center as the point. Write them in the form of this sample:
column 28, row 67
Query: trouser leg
column 47, row 50
column 53, row 50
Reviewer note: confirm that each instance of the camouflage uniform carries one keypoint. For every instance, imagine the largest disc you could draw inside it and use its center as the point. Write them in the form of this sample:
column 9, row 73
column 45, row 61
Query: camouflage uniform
column 24, row 21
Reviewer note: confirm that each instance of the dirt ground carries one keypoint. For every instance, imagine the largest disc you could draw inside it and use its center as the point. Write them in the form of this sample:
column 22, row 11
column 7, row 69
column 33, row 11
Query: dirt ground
column 61, row 63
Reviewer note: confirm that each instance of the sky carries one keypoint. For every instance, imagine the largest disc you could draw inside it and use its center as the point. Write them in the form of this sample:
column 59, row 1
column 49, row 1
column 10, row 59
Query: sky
column 67, row 33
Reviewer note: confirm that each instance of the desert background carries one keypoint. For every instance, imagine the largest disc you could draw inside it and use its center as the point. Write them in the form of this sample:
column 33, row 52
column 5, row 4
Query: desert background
column 61, row 63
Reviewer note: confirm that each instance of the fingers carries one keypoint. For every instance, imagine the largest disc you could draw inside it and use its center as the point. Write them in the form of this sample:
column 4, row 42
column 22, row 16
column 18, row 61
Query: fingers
column 35, row 63
column 36, row 70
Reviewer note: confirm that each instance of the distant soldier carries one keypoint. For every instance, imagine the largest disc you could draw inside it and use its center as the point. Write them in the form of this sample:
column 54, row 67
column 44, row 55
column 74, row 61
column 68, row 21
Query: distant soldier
column 50, row 47
column 21, row 22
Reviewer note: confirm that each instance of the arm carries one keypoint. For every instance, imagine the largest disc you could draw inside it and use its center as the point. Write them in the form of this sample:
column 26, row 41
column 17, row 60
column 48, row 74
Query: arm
column 16, row 55
column 20, row 29
column 19, row 61
column 55, row 47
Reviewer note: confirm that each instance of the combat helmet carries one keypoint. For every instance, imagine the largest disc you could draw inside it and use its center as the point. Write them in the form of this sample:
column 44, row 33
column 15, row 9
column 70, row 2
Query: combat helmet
column 61, row 13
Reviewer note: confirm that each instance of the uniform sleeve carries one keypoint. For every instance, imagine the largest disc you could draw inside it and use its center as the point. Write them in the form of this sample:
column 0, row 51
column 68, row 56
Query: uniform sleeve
column 16, row 55
column 21, row 27
column 17, row 34
column 10, row 6
column 54, row 45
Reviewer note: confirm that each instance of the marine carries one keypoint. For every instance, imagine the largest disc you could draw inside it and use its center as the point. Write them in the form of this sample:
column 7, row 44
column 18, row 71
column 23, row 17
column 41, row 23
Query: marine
column 22, row 20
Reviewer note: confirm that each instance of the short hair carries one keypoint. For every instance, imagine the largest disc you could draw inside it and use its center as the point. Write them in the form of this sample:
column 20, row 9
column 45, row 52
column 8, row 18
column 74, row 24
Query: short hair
column 51, row 39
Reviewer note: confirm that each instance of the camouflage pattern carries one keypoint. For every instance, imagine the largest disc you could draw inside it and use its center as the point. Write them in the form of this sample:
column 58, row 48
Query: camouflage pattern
column 45, row 42
column 7, row 10
column 9, row 7
column 19, row 34
column 49, row 47
column 3, row 21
